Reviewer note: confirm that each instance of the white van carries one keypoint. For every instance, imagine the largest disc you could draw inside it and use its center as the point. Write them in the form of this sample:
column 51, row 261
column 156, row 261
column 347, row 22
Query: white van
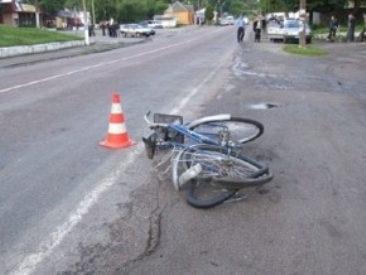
column 230, row 20
column 155, row 24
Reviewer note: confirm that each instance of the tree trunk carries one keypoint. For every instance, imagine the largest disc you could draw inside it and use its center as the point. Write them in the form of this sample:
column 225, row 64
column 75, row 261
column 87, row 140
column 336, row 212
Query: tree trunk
column 302, row 39
column 310, row 17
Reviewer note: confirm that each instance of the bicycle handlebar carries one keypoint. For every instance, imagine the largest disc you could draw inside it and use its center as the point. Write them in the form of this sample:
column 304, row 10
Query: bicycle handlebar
column 153, row 125
column 191, row 124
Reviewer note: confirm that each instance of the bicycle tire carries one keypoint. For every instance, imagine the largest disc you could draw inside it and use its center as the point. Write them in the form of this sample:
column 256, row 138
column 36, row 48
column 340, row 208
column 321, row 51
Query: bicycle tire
column 213, row 187
column 193, row 200
column 242, row 130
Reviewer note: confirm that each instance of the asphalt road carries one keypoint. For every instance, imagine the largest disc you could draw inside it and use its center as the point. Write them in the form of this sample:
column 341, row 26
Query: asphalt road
column 70, row 206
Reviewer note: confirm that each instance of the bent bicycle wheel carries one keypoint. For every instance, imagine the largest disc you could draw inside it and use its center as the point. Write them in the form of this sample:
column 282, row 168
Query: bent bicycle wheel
column 241, row 130
column 224, row 172
column 200, row 194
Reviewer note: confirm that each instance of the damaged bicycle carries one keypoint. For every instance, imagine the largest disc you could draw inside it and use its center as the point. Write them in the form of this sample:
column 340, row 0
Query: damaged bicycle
column 204, row 157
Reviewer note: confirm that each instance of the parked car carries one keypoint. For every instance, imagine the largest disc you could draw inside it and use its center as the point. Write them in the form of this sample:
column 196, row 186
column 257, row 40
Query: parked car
column 223, row 22
column 230, row 20
column 275, row 30
column 287, row 30
column 292, row 29
column 146, row 26
column 135, row 30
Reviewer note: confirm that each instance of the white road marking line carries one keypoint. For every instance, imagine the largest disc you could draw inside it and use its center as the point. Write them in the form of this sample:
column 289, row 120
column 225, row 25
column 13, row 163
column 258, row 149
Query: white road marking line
column 56, row 237
column 45, row 249
column 90, row 67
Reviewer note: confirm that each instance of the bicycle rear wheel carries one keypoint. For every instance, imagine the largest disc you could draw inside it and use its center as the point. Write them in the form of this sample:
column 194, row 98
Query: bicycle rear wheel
column 200, row 194
column 224, row 172
column 241, row 130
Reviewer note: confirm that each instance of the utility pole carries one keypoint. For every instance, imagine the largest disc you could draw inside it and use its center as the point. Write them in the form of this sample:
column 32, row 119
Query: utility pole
column 302, row 40
column 37, row 14
column 93, row 10
column 86, row 25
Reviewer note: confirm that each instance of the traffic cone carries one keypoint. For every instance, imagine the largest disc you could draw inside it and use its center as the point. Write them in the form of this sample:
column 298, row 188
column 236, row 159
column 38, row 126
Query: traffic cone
column 117, row 136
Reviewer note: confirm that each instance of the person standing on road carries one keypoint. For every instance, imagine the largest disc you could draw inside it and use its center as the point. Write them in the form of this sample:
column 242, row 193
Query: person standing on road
column 333, row 26
column 264, row 27
column 351, row 28
column 257, row 28
column 103, row 26
column 240, row 24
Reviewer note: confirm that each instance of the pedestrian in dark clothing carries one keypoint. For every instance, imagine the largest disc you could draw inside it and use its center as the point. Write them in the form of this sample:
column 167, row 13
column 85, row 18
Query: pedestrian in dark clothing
column 109, row 30
column 264, row 27
column 115, row 29
column 103, row 27
column 240, row 23
column 257, row 28
column 333, row 26
column 362, row 36
column 91, row 30
column 351, row 28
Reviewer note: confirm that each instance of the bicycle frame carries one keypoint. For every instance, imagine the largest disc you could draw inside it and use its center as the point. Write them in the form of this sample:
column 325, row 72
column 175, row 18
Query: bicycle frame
column 199, row 138
column 184, row 129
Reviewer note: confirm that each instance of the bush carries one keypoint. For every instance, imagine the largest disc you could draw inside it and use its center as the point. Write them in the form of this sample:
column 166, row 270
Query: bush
column 318, row 26
column 209, row 13
column 29, row 26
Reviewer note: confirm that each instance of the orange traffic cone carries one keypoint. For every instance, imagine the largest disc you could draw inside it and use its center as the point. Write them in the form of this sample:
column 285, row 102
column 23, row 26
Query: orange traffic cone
column 117, row 134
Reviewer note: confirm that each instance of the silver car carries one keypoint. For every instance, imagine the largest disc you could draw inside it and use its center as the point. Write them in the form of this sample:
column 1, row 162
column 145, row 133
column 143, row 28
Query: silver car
column 292, row 29
column 135, row 30
column 275, row 30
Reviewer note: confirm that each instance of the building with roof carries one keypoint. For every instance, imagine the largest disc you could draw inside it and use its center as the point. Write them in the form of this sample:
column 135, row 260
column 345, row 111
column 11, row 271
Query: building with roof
column 15, row 13
column 183, row 13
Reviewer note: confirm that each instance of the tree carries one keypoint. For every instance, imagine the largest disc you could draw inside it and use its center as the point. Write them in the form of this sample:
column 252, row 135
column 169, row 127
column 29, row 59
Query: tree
column 325, row 5
column 155, row 7
column 237, row 7
column 160, row 6
column 50, row 6
column 279, row 5
column 209, row 13
column 130, row 11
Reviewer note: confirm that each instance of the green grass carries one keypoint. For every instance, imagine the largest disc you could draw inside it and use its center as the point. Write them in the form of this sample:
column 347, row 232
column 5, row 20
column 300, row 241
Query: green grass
column 14, row 36
column 342, row 28
column 308, row 50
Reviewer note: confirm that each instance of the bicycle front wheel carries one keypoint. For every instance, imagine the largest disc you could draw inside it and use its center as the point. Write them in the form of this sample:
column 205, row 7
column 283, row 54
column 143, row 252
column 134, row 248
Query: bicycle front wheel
column 223, row 173
column 241, row 130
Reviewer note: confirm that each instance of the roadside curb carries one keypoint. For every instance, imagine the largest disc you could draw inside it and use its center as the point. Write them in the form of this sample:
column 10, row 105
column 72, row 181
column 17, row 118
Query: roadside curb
column 47, row 55
column 40, row 48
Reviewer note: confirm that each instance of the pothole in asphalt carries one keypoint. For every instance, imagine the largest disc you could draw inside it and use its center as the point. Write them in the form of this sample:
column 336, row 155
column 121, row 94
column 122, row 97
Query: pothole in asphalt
column 267, row 105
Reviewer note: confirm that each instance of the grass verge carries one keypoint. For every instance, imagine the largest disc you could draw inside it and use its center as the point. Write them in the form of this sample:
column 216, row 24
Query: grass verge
column 14, row 36
column 341, row 29
column 308, row 50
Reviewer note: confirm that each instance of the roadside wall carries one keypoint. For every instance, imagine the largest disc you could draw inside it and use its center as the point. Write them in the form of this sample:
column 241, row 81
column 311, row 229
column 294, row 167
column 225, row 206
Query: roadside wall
column 23, row 50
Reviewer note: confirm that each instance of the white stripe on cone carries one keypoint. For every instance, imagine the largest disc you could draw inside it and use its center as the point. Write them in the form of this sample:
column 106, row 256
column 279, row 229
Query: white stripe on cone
column 116, row 108
column 117, row 128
